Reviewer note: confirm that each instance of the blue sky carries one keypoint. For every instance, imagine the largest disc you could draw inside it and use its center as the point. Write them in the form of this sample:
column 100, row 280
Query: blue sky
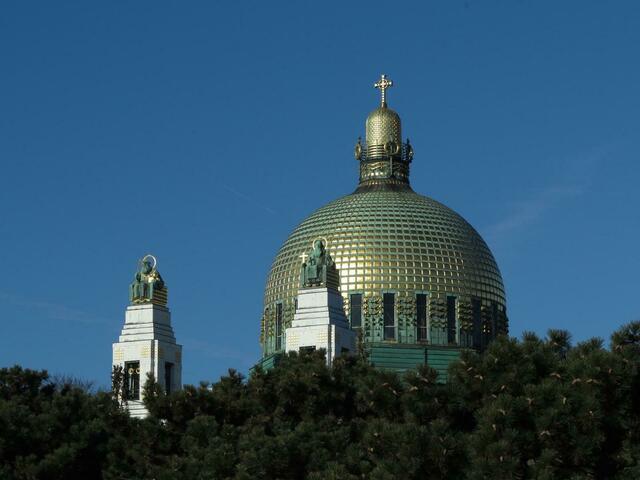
column 203, row 132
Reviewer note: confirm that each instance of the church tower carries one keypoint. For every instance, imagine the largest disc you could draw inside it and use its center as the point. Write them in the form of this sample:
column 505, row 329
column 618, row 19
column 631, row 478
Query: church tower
column 319, row 321
column 147, row 345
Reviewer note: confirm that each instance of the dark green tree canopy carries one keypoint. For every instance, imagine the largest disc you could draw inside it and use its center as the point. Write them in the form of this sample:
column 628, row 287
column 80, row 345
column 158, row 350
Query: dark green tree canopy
column 538, row 408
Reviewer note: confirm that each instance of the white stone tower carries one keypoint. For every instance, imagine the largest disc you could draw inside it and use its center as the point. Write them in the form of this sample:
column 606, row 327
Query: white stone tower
column 147, row 344
column 319, row 321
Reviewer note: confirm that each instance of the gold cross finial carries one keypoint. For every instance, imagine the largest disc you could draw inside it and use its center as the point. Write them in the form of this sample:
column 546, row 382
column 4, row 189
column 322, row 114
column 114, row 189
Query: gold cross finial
column 383, row 84
column 304, row 257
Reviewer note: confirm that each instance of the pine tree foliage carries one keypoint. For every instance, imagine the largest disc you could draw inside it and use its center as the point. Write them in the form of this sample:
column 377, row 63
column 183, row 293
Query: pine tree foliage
column 535, row 408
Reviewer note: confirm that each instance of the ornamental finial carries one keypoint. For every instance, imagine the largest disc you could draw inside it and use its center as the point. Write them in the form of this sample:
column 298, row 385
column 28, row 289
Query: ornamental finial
column 148, row 286
column 383, row 84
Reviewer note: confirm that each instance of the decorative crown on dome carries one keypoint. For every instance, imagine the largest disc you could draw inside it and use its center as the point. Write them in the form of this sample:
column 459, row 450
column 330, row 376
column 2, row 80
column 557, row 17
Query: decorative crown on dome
column 384, row 159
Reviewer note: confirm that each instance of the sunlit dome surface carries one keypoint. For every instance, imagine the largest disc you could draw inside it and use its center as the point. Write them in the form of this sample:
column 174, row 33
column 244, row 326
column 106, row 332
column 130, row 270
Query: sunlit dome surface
column 385, row 238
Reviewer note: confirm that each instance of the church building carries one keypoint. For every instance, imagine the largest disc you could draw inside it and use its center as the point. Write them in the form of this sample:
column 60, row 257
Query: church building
column 417, row 283
column 384, row 272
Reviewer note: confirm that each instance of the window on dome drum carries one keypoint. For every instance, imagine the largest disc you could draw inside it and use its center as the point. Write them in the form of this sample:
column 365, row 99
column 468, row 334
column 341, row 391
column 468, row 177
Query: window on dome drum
column 168, row 376
column 132, row 380
column 486, row 324
column 356, row 310
column 465, row 334
column 476, row 319
column 389, row 314
column 437, row 325
column 494, row 319
column 451, row 319
column 421, row 317
column 278, row 326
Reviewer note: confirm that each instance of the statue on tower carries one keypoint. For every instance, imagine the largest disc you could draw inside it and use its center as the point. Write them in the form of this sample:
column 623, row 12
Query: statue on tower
column 148, row 286
column 318, row 268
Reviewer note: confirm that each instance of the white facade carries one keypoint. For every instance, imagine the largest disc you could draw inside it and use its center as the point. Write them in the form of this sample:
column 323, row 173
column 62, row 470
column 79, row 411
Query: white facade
column 320, row 322
column 147, row 340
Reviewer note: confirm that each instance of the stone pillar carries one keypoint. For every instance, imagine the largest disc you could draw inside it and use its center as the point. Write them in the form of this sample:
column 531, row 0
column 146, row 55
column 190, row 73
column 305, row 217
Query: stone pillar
column 147, row 345
column 320, row 322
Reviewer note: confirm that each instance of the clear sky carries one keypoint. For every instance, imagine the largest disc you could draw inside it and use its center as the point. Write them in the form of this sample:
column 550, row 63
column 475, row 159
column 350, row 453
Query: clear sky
column 203, row 132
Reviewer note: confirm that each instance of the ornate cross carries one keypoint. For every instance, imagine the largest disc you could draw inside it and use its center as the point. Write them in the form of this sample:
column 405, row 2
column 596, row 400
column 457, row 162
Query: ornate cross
column 383, row 84
column 304, row 257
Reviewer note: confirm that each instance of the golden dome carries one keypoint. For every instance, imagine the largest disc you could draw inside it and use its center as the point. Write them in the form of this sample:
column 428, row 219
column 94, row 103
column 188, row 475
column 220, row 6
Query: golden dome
column 391, row 241
column 385, row 238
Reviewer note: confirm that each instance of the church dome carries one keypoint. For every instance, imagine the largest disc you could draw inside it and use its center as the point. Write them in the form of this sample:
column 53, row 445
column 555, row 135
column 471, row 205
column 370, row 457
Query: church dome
column 386, row 239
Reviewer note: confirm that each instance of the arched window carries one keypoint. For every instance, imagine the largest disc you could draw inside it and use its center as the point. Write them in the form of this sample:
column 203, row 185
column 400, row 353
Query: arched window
column 389, row 314
column 421, row 317
column 278, row 326
column 356, row 310
column 476, row 319
column 451, row 320
column 132, row 380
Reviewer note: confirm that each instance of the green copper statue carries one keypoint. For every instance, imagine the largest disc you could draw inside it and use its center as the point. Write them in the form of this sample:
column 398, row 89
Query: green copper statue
column 148, row 286
column 318, row 268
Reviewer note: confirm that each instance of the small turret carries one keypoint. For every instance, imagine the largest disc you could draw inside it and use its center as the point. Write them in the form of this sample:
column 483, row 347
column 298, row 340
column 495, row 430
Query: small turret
column 384, row 159
column 147, row 344
column 319, row 321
